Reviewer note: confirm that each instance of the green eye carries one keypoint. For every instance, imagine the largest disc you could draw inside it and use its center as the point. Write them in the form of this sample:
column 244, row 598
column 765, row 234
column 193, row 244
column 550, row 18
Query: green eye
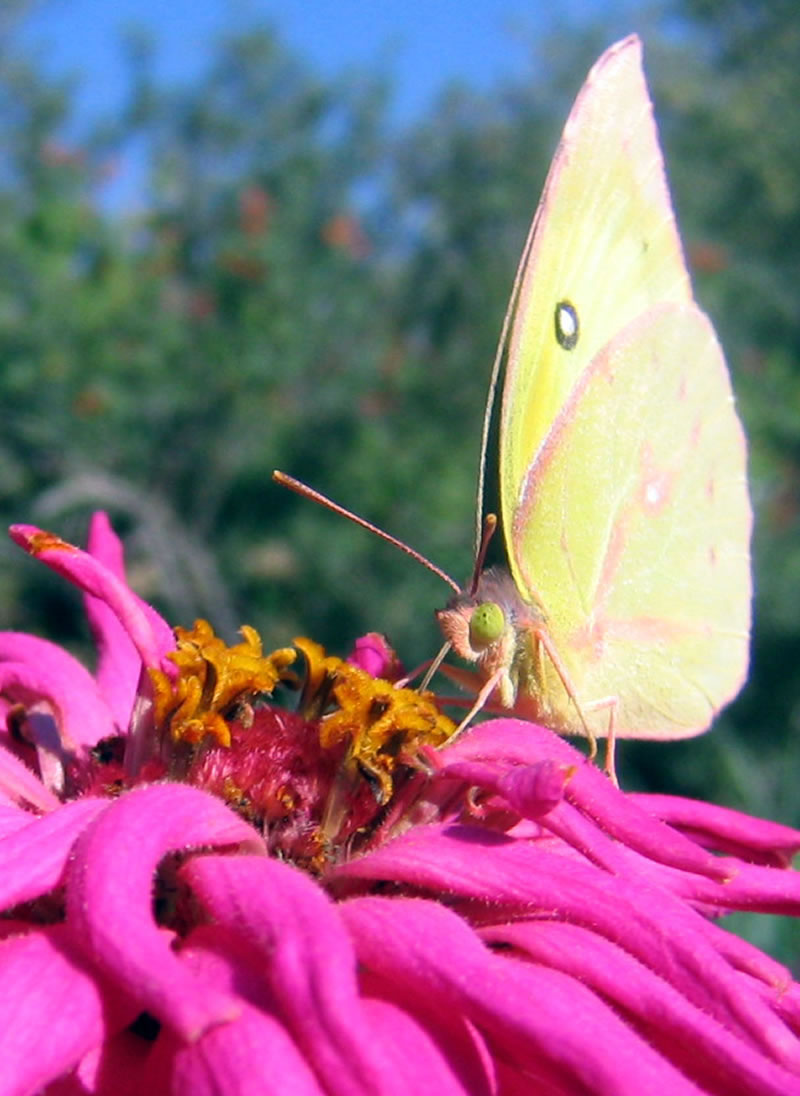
column 486, row 625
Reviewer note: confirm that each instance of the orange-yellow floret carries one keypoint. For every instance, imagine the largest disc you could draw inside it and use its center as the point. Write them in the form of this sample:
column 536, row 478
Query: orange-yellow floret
column 382, row 723
column 214, row 681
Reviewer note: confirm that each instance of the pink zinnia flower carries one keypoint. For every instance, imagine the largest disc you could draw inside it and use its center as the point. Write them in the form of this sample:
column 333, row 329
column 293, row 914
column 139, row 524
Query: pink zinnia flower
column 206, row 894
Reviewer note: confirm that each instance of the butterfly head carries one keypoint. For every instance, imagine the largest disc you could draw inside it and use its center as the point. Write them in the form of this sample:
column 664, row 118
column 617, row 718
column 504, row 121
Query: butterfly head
column 482, row 627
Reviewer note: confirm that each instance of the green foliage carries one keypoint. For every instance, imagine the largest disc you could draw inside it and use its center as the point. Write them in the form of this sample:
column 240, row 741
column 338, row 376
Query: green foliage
column 301, row 287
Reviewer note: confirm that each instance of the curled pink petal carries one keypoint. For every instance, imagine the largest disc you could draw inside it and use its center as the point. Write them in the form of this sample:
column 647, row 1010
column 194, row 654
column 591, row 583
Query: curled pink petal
column 33, row 858
column 33, row 670
column 109, row 898
column 52, row 1009
column 309, row 962
column 531, row 790
column 514, row 741
column 105, row 546
column 469, row 1059
column 418, row 1059
column 428, row 949
column 93, row 577
column 243, row 1056
column 19, row 785
column 535, row 790
column 714, row 1056
column 747, row 958
column 512, row 878
column 724, row 829
column 118, row 663
column 752, row 887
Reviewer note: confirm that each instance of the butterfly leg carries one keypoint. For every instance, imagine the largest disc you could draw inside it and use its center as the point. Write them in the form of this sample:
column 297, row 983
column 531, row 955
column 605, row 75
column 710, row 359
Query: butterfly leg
column 487, row 689
column 610, row 703
column 543, row 645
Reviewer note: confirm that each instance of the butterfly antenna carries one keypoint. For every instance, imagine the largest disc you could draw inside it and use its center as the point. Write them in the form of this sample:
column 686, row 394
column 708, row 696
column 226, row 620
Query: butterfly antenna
column 309, row 493
column 489, row 526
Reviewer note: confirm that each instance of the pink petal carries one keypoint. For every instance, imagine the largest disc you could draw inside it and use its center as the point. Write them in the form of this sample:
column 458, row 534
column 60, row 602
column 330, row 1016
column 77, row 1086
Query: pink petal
column 456, row 1039
column 109, row 898
column 151, row 636
column 417, row 1058
column 434, row 954
column 531, row 790
column 52, row 1010
column 118, row 663
column 507, row 879
column 752, row 887
column 520, row 743
column 718, row 1060
column 373, row 654
column 747, row 958
column 227, row 960
column 309, row 963
column 537, row 792
column 116, row 1067
column 513, row 1082
column 243, row 1056
column 787, row 1005
column 33, row 670
column 13, row 818
column 724, row 829
column 34, row 857
column 19, row 785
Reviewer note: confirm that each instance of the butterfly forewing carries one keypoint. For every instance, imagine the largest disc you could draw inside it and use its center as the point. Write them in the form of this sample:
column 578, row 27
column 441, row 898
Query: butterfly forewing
column 604, row 243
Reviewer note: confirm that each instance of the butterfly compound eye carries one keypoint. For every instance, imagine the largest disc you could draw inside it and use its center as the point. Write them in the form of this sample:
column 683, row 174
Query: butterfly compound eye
column 486, row 625
column 567, row 325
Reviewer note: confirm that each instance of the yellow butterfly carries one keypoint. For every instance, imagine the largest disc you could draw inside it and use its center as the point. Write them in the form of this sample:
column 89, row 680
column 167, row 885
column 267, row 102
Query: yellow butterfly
column 623, row 482
column 622, row 465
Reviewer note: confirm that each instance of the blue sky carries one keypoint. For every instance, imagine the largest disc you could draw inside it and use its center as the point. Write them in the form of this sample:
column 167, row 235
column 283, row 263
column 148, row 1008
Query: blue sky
column 424, row 44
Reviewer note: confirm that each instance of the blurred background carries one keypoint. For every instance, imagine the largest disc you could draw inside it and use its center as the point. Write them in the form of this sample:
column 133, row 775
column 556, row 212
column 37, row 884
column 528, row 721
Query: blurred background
column 239, row 237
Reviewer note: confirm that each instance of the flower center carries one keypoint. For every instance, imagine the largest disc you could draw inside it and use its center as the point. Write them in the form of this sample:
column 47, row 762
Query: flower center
column 318, row 781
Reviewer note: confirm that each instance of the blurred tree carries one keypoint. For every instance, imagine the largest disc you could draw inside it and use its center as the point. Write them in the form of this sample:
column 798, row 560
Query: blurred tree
column 159, row 364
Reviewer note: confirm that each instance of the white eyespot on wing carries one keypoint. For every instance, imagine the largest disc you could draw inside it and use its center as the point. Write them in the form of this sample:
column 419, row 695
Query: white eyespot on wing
column 567, row 325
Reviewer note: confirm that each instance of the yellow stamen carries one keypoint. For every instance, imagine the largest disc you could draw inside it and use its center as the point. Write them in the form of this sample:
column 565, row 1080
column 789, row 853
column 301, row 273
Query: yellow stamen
column 381, row 723
column 214, row 682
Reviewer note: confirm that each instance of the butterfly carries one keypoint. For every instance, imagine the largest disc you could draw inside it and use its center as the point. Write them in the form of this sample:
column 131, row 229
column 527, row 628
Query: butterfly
column 625, row 611
column 622, row 462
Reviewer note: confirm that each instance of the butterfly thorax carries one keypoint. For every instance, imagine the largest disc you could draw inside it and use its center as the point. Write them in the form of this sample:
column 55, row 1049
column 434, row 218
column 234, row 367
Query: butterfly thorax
column 492, row 628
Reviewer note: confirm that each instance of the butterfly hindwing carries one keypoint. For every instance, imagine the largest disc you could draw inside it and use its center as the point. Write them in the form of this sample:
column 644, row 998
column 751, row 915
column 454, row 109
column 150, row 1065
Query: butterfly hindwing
column 633, row 526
